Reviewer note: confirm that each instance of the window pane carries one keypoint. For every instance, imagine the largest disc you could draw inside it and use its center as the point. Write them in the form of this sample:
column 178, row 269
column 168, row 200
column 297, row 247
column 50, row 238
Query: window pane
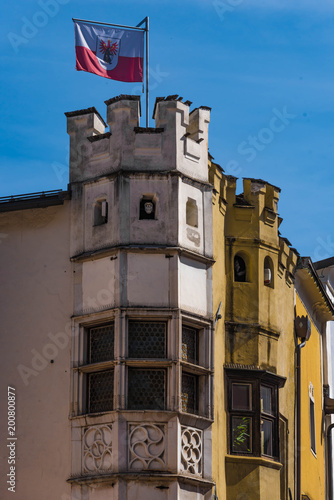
column 241, row 435
column 267, row 437
column 101, row 344
column 189, row 344
column 146, row 389
column 147, row 339
column 312, row 426
column 101, row 391
column 266, row 399
column 241, row 397
column 239, row 269
column 189, row 393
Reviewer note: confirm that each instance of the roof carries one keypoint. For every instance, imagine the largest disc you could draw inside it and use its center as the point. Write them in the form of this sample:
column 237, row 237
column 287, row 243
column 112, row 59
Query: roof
column 321, row 264
column 306, row 266
column 33, row 200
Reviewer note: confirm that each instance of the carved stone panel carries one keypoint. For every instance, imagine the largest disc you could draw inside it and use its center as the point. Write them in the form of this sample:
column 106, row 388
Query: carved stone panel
column 147, row 447
column 97, row 449
column 191, row 450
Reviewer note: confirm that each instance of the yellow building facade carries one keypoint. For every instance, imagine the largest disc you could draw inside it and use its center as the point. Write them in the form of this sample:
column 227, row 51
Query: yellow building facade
column 312, row 303
column 255, row 429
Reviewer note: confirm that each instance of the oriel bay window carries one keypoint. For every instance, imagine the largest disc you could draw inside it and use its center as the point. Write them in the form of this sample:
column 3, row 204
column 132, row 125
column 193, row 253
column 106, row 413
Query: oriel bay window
column 194, row 378
column 253, row 412
column 147, row 370
column 98, row 369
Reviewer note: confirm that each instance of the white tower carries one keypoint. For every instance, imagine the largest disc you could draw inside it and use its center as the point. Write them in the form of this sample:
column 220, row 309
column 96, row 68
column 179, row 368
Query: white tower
column 142, row 349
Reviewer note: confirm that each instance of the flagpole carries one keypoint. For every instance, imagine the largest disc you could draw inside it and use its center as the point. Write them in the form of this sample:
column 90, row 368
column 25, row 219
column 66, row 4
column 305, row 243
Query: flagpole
column 147, row 74
column 146, row 21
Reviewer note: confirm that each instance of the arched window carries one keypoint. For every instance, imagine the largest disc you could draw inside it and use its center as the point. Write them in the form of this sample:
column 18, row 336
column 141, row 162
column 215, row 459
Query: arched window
column 191, row 213
column 100, row 212
column 147, row 208
column 240, row 271
column 268, row 272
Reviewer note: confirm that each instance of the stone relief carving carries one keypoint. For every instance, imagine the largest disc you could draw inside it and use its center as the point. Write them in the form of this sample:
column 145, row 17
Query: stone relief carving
column 147, row 447
column 191, row 450
column 97, row 449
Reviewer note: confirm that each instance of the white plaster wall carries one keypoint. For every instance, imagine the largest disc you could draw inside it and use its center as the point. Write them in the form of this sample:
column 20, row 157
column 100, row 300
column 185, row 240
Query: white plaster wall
column 146, row 490
column 148, row 279
column 191, row 492
column 98, row 284
column 193, row 286
column 36, row 305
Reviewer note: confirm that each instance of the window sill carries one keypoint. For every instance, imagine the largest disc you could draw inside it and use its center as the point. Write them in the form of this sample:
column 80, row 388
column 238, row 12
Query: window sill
column 260, row 461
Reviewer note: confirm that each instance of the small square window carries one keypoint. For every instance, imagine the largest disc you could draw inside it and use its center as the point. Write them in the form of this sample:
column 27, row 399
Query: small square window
column 241, row 397
column 100, row 212
column 147, row 208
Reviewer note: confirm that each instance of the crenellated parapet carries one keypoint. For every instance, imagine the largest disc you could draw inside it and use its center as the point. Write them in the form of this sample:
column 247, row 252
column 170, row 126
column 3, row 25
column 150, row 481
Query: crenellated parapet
column 178, row 142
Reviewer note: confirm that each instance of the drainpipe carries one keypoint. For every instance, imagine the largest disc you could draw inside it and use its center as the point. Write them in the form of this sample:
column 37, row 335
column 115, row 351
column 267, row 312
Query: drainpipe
column 298, row 368
column 330, row 464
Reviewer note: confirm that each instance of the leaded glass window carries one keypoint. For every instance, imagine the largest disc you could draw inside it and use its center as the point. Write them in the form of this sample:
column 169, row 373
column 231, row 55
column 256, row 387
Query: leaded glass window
column 189, row 348
column 147, row 339
column 101, row 343
column 101, row 391
column 189, row 390
column 146, row 389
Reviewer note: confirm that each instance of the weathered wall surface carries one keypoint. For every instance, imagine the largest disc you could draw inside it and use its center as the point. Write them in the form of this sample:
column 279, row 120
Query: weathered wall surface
column 36, row 306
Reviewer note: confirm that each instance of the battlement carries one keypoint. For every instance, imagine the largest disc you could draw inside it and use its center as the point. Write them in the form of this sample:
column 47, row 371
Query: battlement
column 253, row 213
column 179, row 140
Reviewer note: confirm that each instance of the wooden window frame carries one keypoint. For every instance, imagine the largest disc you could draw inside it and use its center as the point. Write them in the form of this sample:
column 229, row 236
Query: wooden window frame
column 255, row 378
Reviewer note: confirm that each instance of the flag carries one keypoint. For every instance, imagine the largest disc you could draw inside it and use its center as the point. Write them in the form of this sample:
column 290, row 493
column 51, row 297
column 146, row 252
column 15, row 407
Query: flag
column 109, row 52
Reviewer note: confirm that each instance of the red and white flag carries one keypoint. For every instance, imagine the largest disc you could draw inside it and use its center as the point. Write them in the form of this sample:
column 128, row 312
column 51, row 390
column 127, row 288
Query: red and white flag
column 109, row 52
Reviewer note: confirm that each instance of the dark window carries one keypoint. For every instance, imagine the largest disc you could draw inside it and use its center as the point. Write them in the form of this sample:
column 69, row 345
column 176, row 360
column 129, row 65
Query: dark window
column 101, row 391
column 253, row 412
column 147, row 208
column 239, row 269
column 146, row 389
column 100, row 212
column 189, row 347
column 312, row 426
column 241, row 397
column 268, row 272
column 267, row 420
column 189, row 393
column 99, row 379
column 147, row 339
column 101, row 343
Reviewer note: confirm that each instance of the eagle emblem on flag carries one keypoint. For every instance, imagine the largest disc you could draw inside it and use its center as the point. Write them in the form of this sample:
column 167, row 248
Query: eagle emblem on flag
column 107, row 52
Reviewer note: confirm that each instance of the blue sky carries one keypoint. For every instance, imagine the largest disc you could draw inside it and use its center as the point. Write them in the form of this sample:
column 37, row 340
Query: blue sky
column 250, row 60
